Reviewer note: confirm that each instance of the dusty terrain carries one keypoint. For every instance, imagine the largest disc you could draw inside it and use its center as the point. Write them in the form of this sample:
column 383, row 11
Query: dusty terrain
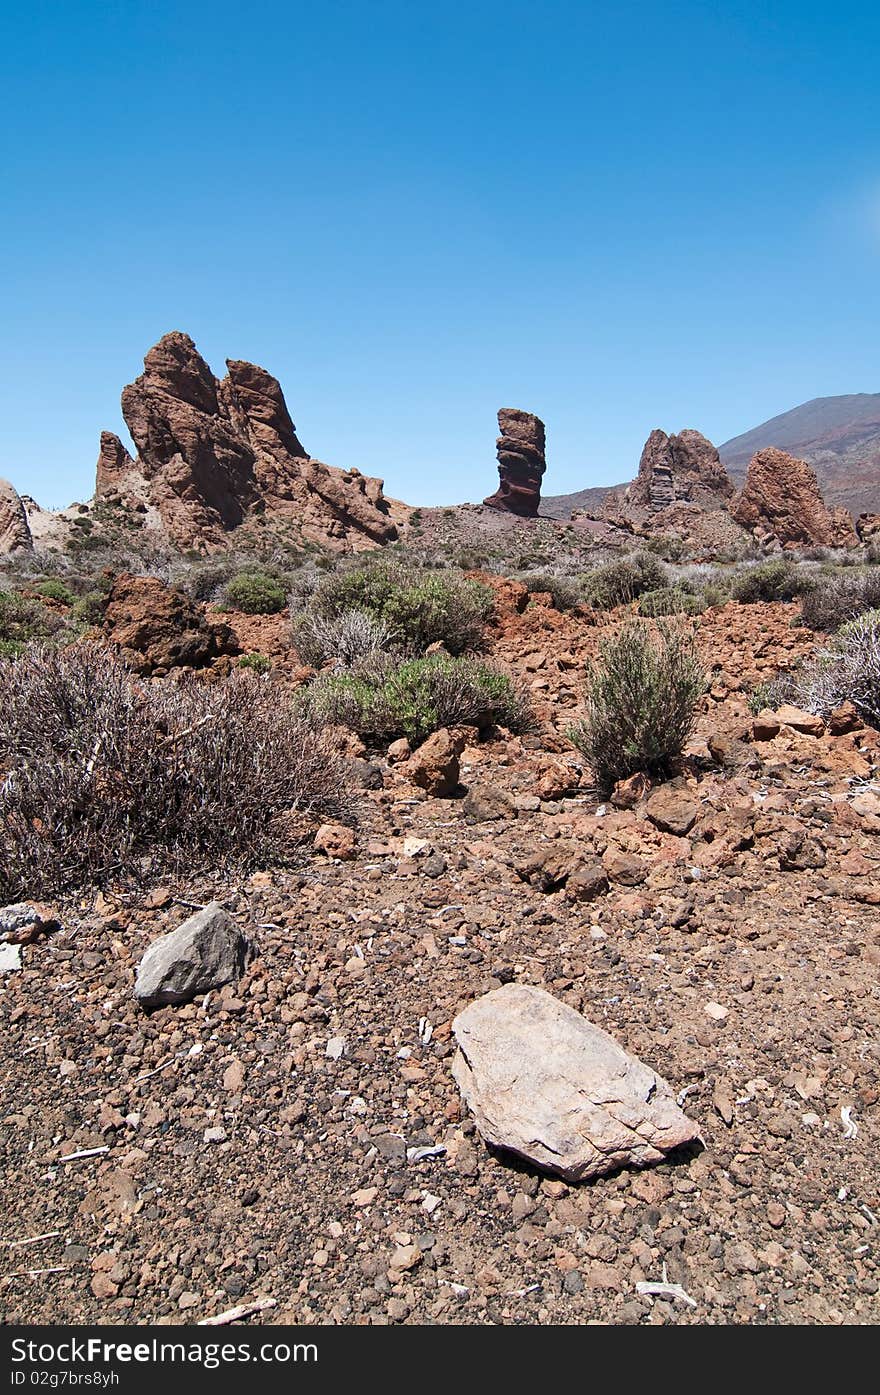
column 260, row 1142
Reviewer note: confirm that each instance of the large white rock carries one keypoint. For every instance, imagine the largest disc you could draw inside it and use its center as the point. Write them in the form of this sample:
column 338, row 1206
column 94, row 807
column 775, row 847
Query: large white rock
column 204, row 952
column 547, row 1084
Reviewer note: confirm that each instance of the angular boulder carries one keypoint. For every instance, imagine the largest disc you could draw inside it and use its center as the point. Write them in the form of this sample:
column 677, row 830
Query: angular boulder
column 436, row 766
column 157, row 628
column 781, row 501
column 545, row 1083
column 204, row 952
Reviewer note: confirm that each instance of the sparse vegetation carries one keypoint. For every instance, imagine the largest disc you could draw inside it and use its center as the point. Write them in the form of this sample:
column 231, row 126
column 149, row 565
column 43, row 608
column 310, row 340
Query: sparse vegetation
column 641, row 702
column 24, row 620
column 847, row 671
column 420, row 607
column 779, row 580
column 565, row 590
column 256, row 663
column 384, row 698
column 670, row 600
column 839, row 598
column 102, row 772
column 348, row 637
column 255, row 593
column 622, row 582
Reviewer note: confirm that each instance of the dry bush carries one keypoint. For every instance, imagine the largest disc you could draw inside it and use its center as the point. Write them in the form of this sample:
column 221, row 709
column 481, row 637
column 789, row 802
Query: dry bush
column 839, row 598
column 641, row 702
column 847, row 671
column 99, row 771
column 347, row 637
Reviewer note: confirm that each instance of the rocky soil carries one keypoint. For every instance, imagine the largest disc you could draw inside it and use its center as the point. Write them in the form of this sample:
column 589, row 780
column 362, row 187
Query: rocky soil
column 299, row 1136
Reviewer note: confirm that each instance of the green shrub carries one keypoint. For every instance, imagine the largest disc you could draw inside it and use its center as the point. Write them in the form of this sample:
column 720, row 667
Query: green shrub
column 23, row 620
column 382, row 698
column 89, row 609
column 421, row 607
column 670, row 600
column 641, row 702
column 255, row 593
column 621, row 582
column 780, row 580
column 256, row 663
column 565, row 590
column 108, row 771
column 838, row 599
column 55, row 590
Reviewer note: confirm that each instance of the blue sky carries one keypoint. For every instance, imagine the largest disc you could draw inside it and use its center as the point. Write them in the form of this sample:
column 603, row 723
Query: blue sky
column 616, row 215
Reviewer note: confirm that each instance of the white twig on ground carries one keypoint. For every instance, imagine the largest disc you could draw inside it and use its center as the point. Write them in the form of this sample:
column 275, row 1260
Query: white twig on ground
column 243, row 1310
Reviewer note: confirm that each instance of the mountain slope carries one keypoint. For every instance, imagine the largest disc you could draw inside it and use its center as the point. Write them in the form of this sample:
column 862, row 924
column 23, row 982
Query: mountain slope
column 839, row 436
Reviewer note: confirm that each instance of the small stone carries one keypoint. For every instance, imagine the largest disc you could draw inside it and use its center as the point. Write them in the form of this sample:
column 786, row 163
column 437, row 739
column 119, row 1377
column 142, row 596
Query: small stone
column 716, row 1011
column 336, row 840
column 205, row 952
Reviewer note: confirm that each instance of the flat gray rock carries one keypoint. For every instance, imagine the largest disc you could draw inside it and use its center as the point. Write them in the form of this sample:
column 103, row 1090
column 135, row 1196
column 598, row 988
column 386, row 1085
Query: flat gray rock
column 552, row 1087
column 204, row 952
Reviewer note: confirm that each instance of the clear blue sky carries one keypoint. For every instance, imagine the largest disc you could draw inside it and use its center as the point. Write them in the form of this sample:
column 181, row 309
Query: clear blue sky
column 617, row 215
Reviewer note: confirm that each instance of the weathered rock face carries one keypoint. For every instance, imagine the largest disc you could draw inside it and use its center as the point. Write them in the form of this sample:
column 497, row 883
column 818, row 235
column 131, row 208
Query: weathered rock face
column 205, row 952
column 521, row 463
column 545, row 1083
column 156, row 628
column 781, row 501
column 215, row 455
column 15, row 534
column 682, row 468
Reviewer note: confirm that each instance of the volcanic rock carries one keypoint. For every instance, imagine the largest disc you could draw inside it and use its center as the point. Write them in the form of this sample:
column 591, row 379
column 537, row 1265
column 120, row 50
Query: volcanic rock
column 521, row 463
column 214, row 456
column 436, row 766
column 545, row 1083
column 204, row 952
column 685, row 467
column 781, row 501
column 156, row 628
column 15, row 533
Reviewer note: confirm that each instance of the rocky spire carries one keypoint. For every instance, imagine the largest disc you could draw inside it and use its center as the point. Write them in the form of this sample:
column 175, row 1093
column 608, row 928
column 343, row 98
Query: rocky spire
column 781, row 501
column 521, row 463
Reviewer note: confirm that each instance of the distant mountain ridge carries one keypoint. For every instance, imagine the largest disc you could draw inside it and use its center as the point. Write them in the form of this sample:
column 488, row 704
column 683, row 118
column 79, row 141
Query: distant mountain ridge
column 838, row 436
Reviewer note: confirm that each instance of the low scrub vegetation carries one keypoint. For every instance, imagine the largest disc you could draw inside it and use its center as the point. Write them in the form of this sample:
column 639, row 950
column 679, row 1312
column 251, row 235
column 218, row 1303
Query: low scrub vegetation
column 24, row 620
column 100, row 772
column 623, row 581
column 642, row 700
column 564, row 590
column 839, row 598
column 255, row 593
column 670, row 600
column 418, row 607
column 346, row 638
column 848, row 670
column 779, row 580
column 384, row 698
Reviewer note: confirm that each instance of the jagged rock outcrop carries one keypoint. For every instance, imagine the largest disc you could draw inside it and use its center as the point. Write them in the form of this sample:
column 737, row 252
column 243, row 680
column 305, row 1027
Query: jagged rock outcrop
column 781, row 501
column 215, row 455
column 521, row 463
column 868, row 527
column 15, row 534
column 156, row 628
column 683, row 468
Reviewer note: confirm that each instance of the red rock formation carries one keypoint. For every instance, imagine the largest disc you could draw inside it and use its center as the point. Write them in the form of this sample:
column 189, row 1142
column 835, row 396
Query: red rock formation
column 868, row 527
column 521, row 463
column 156, row 628
column 683, row 468
column 214, row 456
column 15, row 533
column 781, row 501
